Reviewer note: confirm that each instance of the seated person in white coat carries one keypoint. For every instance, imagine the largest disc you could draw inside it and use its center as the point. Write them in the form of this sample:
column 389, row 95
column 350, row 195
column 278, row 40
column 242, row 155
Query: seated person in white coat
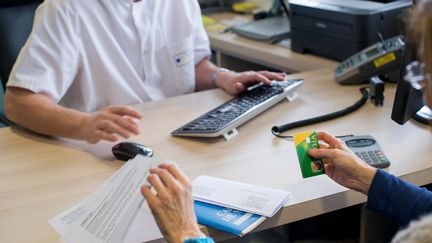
column 86, row 61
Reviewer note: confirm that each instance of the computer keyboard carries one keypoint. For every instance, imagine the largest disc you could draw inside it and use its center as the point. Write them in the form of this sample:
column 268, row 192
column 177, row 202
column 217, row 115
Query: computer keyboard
column 224, row 119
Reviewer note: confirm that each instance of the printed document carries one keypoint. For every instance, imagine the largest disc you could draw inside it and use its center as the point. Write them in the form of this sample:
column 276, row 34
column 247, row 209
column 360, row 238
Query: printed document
column 105, row 215
column 244, row 197
column 143, row 228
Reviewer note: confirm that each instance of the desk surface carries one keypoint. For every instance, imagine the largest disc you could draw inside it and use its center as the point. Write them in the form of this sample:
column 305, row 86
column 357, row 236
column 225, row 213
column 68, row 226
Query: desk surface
column 274, row 56
column 41, row 177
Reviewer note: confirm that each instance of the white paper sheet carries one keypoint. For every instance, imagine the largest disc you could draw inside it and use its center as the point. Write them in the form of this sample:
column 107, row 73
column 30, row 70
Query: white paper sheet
column 244, row 197
column 105, row 215
column 143, row 228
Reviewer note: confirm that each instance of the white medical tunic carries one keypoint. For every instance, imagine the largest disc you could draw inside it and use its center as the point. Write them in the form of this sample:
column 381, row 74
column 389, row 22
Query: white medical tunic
column 87, row 54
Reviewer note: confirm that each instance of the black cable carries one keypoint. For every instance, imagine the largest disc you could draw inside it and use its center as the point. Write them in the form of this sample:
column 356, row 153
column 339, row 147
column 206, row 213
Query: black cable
column 285, row 7
column 277, row 130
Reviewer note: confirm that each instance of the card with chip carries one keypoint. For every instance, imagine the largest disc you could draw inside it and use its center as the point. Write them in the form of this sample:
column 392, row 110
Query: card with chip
column 308, row 165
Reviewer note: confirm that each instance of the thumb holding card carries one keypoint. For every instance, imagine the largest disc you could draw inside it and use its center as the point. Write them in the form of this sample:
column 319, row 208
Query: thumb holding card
column 309, row 166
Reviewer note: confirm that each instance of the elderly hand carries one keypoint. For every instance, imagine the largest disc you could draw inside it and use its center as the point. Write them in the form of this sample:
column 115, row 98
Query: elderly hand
column 342, row 165
column 109, row 123
column 172, row 205
column 235, row 83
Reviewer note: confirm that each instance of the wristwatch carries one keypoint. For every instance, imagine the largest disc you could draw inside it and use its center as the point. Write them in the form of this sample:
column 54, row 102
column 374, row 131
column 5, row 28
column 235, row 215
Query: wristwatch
column 214, row 74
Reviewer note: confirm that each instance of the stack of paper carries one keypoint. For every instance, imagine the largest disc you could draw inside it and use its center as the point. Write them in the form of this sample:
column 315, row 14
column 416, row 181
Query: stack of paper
column 240, row 196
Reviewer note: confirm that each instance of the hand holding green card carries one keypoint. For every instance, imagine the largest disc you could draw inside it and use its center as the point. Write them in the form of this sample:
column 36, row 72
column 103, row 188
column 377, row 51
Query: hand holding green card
column 309, row 166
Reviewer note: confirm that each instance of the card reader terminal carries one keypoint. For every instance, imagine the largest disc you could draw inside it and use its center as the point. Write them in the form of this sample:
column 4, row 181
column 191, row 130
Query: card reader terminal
column 379, row 58
column 367, row 149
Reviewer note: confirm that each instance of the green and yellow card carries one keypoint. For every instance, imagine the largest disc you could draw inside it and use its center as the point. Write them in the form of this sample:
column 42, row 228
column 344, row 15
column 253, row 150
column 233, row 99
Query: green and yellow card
column 309, row 166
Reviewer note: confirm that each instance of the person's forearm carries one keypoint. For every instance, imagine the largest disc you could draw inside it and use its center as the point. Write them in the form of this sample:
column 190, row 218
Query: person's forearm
column 40, row 114
column 398, row 199
column 203, row 73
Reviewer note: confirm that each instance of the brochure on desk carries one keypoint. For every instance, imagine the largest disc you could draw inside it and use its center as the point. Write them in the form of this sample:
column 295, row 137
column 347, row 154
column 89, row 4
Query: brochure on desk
column 240, row 196
column 226, row 219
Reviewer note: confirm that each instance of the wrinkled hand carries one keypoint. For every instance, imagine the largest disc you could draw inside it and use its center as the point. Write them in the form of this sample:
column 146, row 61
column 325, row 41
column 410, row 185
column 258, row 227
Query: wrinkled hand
column 235, row 83
column 172, row 205
column 342, row 165
column 110, row 123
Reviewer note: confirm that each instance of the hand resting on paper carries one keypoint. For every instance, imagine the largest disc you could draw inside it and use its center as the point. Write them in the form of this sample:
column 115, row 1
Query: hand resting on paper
column 172, row 204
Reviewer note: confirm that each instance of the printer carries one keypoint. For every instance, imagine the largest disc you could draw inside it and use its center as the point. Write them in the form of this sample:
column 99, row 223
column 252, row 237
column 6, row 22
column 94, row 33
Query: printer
column 337, row 29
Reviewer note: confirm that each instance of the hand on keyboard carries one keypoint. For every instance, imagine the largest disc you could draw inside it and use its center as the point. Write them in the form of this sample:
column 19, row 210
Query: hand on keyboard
column 235, row 83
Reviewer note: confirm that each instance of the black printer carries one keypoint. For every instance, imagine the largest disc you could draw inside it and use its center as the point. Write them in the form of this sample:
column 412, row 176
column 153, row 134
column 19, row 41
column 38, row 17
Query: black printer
column 337, row 29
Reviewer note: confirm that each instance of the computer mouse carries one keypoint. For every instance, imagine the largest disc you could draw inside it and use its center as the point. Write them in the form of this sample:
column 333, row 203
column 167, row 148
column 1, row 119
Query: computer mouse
column 128, row 150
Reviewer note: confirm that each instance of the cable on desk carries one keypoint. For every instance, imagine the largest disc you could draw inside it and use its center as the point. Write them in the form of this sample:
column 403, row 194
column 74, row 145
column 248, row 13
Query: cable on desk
column 285, row 7
column 277, row 130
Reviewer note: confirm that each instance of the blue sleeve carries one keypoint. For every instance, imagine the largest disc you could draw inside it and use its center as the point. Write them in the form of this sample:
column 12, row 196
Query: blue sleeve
column 199, row 240
column 398, row 199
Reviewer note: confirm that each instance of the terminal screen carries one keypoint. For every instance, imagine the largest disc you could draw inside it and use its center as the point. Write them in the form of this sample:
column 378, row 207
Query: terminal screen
column 372, row 53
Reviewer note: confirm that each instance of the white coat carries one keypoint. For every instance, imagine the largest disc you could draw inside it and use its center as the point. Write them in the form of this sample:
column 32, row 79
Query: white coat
column 87, row 54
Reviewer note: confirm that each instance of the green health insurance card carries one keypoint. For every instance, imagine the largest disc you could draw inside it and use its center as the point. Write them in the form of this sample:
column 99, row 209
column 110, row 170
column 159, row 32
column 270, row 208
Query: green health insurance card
column 309, row 166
